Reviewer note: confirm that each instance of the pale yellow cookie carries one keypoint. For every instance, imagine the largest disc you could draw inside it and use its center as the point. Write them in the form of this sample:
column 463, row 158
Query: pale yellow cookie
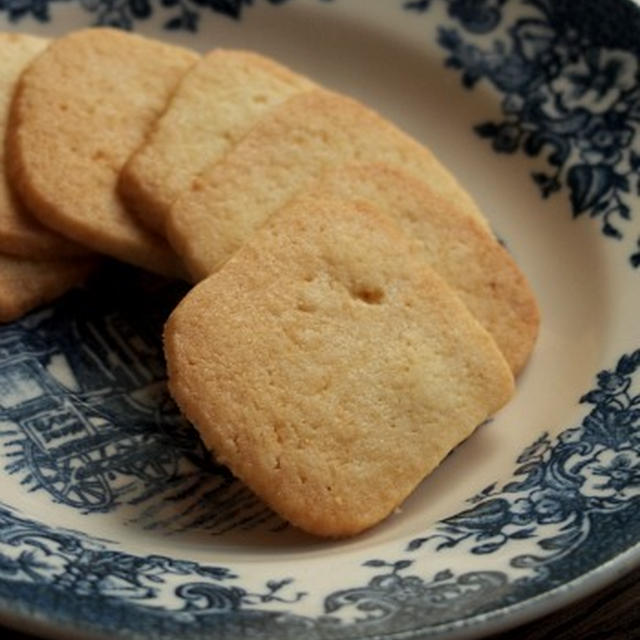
column 457, row 246
column 215, row 104
column 281, row 155
column 80, row 109
column 26, row 284
column 330, row 367
column 20, row 233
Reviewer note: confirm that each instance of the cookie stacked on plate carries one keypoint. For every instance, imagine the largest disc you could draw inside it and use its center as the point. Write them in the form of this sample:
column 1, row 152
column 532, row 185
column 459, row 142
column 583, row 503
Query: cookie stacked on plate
column 354, row 317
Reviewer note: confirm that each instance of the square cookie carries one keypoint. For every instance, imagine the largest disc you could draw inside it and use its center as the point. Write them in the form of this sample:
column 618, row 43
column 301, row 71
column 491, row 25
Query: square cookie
column 329, row 366
column 458, row 247
column 291, row 146
column 215, row 103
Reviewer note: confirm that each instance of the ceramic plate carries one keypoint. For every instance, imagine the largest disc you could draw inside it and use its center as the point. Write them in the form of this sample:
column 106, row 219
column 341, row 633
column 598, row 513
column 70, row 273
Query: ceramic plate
column 114, row 522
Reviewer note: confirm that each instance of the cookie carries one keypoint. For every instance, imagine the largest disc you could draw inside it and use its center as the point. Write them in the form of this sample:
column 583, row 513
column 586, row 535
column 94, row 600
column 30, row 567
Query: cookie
column 80, row 109
column 26, row 284
column 215, row 104
column 281, row 155
column 20, row 233
column 329, row 366
column 457, row 246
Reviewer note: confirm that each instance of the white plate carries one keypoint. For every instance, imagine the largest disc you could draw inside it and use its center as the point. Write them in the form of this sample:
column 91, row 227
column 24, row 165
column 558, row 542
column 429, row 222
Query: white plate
column 114, row 523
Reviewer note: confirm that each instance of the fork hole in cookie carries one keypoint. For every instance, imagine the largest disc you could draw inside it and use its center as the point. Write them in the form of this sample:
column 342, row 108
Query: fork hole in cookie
column 306, row 306
column 369, row 295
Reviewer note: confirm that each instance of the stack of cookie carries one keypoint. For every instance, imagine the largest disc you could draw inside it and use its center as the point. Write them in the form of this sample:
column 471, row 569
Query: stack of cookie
column 355, row 317
column 36, row 264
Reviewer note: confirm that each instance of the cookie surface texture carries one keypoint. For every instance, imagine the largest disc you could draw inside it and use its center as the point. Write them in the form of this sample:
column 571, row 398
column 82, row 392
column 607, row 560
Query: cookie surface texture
column 80, row 109
column 282, row 154
column 20, row 233
column 26, row 284
column 215, row 103
column 329, row 367
column 457, row 247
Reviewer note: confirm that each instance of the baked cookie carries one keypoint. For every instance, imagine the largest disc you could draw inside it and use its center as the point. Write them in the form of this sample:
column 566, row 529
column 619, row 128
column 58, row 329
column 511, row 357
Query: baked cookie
column 457, row 246
column 280, row 156
column 20, row 233
column 26, row 284
column 80, row 109
column 215, row 104
column 329, row 366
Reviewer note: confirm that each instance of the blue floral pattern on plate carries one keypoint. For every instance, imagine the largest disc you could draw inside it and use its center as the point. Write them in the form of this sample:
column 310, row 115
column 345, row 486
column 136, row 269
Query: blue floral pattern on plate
column 568, row 493
column 571, row 93
column 181, row 14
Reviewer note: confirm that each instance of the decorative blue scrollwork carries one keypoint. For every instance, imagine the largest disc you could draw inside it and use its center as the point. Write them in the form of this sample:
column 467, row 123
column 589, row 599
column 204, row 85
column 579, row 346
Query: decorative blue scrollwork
column 405, row 599
column 567, row 495
column 73, row 564
column 562, row 495
column 86, row 415
column 590, row 469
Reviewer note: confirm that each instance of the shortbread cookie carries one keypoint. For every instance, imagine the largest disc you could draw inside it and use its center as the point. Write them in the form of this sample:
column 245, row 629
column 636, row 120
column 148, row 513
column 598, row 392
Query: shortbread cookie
column 457, row 246
column 215, row 103
column 80, row 109
column 330, row 367
column 20, row 233
column 26, row 284
column 281, row 155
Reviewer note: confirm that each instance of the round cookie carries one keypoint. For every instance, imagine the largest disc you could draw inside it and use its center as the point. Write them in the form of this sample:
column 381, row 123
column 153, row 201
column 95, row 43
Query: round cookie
column 80, row 109
column 216, row 102
column 20, row 233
